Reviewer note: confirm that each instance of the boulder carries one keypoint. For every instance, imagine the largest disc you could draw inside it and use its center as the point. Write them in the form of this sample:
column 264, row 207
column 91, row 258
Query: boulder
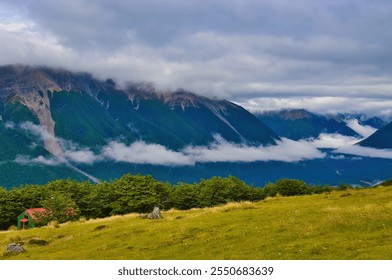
column 156, row 214
column 15, row 248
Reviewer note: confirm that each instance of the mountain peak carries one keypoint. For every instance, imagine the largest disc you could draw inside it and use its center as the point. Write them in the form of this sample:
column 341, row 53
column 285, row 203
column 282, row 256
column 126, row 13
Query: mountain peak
column 381, row 139
column 183, row 99
column 289, row 114
column 23, row 81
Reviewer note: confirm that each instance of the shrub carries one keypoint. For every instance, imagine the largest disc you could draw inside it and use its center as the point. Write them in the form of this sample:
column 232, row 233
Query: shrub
column 98, row 228
column 39, row 242
column 54, row 224
column 343, row 187
column 292, row 187
column 270, row 190
column 12, row 228
column 185, row 196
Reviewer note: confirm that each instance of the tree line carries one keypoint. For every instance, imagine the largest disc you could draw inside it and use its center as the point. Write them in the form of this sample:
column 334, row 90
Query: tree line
column 137, row 193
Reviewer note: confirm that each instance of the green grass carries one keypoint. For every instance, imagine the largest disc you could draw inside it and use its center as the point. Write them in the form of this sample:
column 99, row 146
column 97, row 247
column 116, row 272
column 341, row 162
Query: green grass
column 353, row 224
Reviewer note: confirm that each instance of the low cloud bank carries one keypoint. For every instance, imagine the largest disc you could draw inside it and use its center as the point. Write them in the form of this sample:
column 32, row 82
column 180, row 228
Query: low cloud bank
column 365, row 152
column 346, row 145
column 40, row 160
column 143, row 153
column 333, row 141
column 286, row 150
column 220, row 150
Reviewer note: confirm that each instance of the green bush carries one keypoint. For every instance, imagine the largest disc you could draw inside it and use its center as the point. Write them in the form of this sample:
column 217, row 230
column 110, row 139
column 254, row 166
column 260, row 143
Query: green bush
column 344, row 187
column 185, row 196
column 292, row 187
column 270, row 190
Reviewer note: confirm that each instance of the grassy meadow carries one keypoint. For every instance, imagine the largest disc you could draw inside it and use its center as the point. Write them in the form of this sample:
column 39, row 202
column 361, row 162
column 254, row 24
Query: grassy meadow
column 352, row 224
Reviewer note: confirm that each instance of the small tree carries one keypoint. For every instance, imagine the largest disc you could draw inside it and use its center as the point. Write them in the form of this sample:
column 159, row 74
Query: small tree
column 291, row 187
column 59, row 207
column 214, row 191
column 135, row 194
column 185, row 196
column 270, row 189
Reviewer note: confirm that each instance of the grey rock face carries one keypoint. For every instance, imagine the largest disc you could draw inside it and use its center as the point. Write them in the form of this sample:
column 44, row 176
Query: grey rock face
column 156, row 214
column 15, row 248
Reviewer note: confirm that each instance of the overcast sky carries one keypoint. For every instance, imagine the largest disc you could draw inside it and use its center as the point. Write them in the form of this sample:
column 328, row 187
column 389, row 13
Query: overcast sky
column 324, row 55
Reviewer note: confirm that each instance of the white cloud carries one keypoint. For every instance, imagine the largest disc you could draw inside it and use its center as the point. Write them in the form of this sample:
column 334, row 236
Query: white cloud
column 143, row 153
column 364, row 130
column 338, row 157
column 37, row 130
column 333, row 141
column 84, row 156
column 40, row 160
column 220, row 150
column 69, row 150
column 9, row 125
column 321, row 105
column 347, row 145
column 286, row 150
column 365, row 152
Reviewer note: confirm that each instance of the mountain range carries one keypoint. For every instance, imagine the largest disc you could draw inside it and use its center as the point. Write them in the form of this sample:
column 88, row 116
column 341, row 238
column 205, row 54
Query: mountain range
column 59, row 124
column 299, row 124
column 77, row 107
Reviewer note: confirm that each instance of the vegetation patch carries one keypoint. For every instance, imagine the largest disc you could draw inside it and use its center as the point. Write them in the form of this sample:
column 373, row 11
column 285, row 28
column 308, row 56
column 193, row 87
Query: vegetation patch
column 101, row 227
column 231, row 206
column 345, row 194
column 38, row 242
column 386, row 183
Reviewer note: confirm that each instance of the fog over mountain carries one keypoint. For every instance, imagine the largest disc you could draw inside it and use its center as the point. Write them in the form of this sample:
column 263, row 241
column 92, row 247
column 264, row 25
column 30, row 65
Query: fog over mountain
column 322, row 56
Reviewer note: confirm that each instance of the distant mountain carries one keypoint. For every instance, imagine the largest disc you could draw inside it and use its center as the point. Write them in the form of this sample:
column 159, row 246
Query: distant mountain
column 42, row 108
column 375, row 122
column 300, row 124
column 78, row 107
column 381, row 139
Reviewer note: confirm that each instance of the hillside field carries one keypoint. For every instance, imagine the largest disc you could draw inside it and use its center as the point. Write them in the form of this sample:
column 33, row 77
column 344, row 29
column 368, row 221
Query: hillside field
column 352, row 224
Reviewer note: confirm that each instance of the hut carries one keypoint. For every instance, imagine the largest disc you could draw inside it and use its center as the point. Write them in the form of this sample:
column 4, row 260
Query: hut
column 29, row 217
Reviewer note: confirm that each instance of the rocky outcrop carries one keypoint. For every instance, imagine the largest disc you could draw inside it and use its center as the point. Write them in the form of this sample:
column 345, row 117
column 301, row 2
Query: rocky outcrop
column 15, row 248
column 155, row 214
column 22, row 83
